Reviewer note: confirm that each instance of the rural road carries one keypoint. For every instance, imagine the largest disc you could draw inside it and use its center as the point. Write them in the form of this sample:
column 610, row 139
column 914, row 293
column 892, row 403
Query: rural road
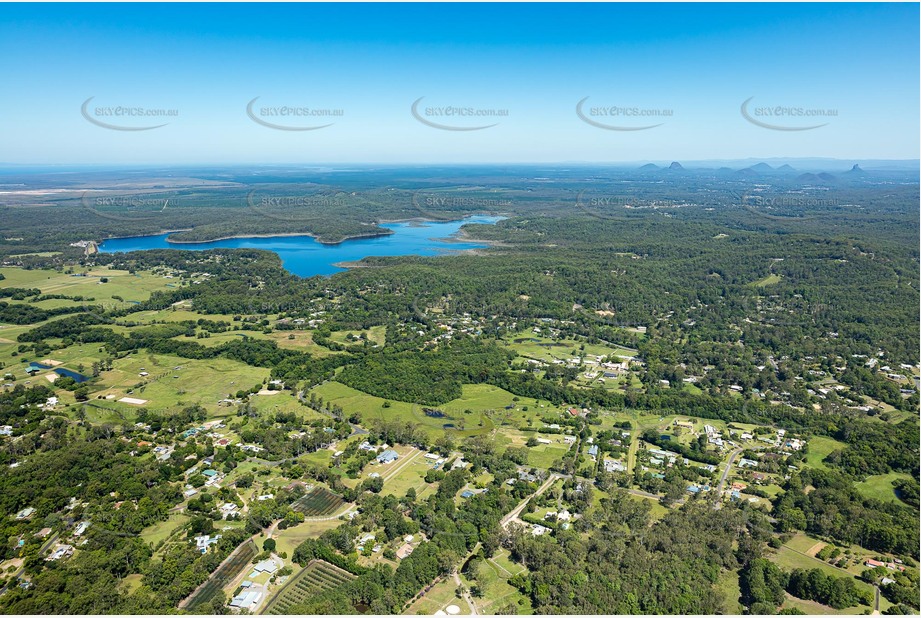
column 467, row 596
column 45, row 547
column 732, row 458
column 517, row 510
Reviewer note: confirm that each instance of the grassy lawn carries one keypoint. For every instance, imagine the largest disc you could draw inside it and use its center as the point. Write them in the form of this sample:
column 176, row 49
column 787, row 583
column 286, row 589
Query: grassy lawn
column 375, row 334
column 284, row 401
column 804, row 543
column 130, row 583
column 813, row 608
column 131, row 288
column 531, row 345
column 162, row 530
column 498, row 593
column 788, row 559
column 771, row 279
column 819, row 448
column 196, row 381
column 439, row 597
column 880, row 486
column 728, row 585
column 299, row 340
column 503, row 560
column 370, row 407
column 287, row 540
column 410, row 475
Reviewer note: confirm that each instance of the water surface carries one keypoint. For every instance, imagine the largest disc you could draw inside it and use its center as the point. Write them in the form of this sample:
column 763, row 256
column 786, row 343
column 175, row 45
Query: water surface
column 305, row 256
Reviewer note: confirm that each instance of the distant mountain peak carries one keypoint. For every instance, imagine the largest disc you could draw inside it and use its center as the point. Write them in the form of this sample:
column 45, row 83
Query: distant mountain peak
column 856, row 170
column 786, row 168
column 649, row 167
column 761, row 167
column 675, row 166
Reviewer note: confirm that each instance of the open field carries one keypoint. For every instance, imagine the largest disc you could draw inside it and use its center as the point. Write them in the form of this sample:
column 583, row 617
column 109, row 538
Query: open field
column 788, row 559
column 299, row 340
column 440, row 596
column 176, row 382
column 121, row 290
column 814, row 608
column 804, row 543
column 411, row 475
column 160, row 531
column 498, row 595
column 880, row 486
column 728, row 585
column 315, row 577
column 819, row 448
column 371, row 408
column 290, row 538
column 375, row 334
column 538, row 347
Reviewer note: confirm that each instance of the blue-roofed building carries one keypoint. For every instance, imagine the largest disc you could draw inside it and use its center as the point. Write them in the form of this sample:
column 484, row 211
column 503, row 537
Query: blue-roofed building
column 467, row 494
column 388, row 456
column 210, row 473
column 593, row 451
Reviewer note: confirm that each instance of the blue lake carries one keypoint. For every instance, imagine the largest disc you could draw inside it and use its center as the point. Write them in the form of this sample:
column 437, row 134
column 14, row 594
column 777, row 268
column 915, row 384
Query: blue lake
column 305, row 257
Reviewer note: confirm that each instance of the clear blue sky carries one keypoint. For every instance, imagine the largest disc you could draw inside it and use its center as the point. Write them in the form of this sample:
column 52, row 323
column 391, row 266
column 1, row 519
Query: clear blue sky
column 700, row 61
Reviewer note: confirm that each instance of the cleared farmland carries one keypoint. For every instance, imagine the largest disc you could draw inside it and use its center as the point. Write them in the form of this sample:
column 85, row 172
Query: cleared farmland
column 316, row 577
column 224, row 574
column 318, row 503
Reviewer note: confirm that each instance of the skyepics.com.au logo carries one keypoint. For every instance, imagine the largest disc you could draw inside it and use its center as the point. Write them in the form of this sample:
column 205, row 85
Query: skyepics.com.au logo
column 291, row 117
column 621, row 118
column 617, row 207
column 785, row 117
column 305, row 208
column 785, row 206
column 443, row 206
column 125, row 117
column 456, row 118
column 126, row 207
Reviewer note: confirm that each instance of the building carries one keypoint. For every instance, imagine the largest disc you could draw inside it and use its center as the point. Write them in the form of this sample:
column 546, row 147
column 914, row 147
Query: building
column 266, row 566
column 593, row 452
column 81, row 528
column 404, row 551
column 612, row 465
column 25, row 513
column 228, row 509
column 61, row 552
column 203, row 542
column 247, row 599
column 467, row 494
column 388, row 456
